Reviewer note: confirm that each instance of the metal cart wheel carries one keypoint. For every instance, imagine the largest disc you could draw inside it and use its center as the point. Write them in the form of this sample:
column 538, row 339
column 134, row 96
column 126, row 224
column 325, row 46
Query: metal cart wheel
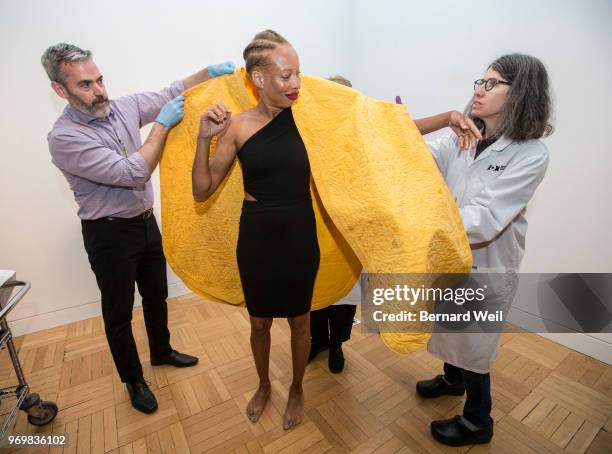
column 40, row 412
column 47, row 413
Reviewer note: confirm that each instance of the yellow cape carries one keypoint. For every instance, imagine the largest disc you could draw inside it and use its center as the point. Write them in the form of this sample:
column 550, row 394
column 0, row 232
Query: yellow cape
column 378, row 197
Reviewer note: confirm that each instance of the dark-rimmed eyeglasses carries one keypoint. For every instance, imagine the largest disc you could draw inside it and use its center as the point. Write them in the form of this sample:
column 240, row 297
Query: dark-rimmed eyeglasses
column 489, row 84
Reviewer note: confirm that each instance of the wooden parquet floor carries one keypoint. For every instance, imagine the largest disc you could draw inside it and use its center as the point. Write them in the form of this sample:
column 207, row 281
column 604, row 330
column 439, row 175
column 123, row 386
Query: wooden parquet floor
column 546, row 397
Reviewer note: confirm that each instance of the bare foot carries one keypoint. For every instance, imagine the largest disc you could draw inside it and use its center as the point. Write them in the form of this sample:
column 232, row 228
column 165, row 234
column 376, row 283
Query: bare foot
column 256, row 405
column 294, row 413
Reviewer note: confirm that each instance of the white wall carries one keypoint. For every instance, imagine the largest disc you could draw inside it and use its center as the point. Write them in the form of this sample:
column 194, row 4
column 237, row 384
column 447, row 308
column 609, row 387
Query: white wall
column 138, row 45
column 427, row 52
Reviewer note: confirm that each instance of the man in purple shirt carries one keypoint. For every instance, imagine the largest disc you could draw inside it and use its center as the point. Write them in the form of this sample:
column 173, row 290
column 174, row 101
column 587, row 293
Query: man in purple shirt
column 96, row 144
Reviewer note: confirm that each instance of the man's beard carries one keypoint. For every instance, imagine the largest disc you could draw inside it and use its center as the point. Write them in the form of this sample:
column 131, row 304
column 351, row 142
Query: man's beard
column 91, row 109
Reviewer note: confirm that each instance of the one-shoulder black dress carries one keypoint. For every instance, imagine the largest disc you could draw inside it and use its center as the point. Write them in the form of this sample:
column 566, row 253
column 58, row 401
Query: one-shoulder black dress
column 278, row 252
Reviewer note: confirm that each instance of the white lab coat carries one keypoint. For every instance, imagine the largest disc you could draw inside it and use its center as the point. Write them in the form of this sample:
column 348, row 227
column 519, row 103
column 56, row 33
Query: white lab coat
column 491, row 193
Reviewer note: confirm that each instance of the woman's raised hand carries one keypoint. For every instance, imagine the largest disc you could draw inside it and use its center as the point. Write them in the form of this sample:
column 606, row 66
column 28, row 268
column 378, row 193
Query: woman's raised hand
column 214, row 121
column 466, row 130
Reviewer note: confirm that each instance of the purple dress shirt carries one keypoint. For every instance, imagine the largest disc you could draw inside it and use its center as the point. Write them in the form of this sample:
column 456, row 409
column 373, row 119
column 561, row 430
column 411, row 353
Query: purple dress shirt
column 99, row 156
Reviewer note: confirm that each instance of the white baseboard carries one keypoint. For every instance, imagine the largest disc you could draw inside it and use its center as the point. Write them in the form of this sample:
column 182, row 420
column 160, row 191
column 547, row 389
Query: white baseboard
column 584, row 343
column 177, row 289
column 60, row 317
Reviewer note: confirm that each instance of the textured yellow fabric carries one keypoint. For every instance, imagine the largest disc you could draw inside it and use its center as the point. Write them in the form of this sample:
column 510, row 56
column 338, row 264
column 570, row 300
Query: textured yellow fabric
column 378, row 196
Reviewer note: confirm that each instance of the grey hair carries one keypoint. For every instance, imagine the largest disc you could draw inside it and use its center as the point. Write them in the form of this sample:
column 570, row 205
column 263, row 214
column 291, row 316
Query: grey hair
column 341, row 80
column 62, row 53
column 528, row 107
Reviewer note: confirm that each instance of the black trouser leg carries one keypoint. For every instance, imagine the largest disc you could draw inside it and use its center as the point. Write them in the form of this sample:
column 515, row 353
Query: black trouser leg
column 477, row 408
column 114, row 249
column 153, row 287
column 340, row 323
column 319, row 326
column 453, row 374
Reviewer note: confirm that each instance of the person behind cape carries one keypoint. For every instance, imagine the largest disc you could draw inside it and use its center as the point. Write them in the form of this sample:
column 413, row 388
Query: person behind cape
column 332, row 325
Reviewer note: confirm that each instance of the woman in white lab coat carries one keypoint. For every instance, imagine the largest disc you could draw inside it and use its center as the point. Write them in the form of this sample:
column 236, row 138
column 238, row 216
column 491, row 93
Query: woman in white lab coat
column 492, row 185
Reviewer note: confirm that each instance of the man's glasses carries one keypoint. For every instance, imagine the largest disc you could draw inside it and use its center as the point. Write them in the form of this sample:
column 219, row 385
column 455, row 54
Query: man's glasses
column 489, row 83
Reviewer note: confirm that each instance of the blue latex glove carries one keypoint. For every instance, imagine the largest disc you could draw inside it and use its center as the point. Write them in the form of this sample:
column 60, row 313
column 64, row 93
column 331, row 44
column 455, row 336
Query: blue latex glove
column 172, row 112
column 220, row 69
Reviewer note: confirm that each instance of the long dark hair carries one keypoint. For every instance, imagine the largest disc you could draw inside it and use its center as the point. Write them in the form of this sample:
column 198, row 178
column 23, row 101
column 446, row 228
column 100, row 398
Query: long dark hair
column 527, row 110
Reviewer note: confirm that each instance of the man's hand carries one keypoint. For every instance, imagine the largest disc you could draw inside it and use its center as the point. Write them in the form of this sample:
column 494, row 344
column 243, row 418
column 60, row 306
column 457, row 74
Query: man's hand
column 172, row 112
column 466, row 130
column 214, row 121
column 220, row 69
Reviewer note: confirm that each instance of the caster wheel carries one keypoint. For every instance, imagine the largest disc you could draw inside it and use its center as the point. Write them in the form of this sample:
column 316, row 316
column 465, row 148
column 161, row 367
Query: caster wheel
column 49, row 412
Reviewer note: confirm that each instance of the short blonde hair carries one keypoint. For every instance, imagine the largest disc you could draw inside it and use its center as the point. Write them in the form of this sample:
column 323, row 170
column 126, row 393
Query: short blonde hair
column 262, row 43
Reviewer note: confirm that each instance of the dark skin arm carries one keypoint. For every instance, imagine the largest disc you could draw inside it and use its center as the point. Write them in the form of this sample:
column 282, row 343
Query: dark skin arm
column 207, row 174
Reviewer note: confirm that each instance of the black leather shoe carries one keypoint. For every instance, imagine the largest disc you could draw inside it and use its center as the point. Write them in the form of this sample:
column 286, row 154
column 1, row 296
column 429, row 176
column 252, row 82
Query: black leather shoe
column 437, row 387
column 175, row 359
column 455, row 432
column 315, row 349
column 141, row 396
column 336, row 360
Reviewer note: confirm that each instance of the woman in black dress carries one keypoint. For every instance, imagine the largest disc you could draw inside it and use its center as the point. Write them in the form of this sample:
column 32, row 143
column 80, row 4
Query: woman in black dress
column 278, row 252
